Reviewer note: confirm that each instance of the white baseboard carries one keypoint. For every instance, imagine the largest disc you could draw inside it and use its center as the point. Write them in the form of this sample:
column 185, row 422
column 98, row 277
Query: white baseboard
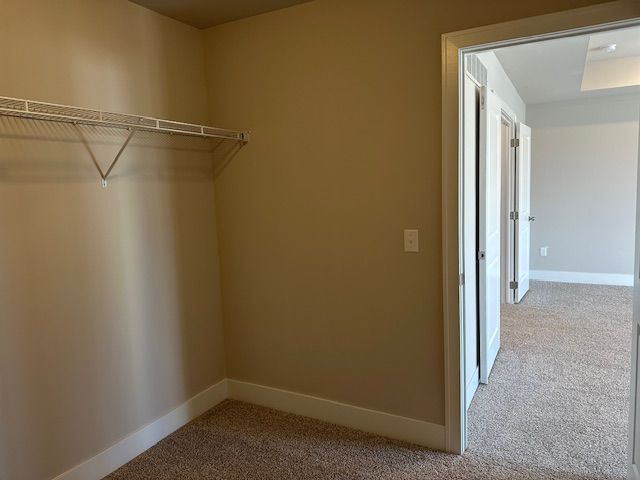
column 130, row 447
column 582, row 277
column 386, row 424
column 393, row 426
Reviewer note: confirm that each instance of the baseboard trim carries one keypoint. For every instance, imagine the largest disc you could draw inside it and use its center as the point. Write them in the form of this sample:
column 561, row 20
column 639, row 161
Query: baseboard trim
column 582, row 277
column 130, row 447
column 393, row 426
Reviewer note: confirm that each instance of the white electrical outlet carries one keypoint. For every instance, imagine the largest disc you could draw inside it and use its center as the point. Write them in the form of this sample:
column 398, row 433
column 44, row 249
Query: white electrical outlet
column 411, row 241
column 543, row 251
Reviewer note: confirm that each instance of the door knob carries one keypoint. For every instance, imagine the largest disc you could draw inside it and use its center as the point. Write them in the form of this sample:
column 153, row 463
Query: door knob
column 532, row 219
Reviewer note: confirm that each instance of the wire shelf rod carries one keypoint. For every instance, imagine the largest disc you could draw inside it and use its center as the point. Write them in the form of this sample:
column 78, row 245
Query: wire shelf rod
column 14, row 107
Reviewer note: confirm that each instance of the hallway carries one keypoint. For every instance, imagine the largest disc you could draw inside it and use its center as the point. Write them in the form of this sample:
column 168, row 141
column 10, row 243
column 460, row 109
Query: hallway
column 558, row 395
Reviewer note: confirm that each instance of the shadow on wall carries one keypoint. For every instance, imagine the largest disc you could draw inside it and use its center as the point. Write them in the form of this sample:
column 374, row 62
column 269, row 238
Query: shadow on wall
column 109, row 297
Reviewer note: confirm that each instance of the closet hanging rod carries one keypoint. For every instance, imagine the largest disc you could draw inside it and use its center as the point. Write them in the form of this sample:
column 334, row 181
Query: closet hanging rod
column 15, row 107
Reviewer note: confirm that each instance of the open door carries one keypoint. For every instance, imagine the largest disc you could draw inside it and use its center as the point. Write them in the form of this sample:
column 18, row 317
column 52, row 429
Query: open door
column 489, row 231
column 634, row 423
column 523, row 209
column 470, row 234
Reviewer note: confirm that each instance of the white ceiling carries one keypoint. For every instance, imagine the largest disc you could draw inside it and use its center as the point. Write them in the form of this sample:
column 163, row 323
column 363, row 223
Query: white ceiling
column 611, row 69
column 207, row 13
column 553, row 70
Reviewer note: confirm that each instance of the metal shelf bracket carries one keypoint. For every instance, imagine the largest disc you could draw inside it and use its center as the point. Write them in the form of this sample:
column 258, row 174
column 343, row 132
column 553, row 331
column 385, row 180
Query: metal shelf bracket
column 105, row 176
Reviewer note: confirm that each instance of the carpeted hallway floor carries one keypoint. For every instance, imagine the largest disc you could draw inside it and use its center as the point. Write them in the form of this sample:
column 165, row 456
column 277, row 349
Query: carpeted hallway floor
column 556, row 408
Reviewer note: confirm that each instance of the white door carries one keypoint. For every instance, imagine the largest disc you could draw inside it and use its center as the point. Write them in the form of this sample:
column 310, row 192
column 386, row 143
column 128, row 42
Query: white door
column 489, row 231
column 634, row 423
column 523, row 207
column 470, row 192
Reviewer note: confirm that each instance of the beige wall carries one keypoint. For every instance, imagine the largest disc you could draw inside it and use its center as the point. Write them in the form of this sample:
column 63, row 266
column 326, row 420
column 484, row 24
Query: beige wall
column 343, row 98
column 109, row 298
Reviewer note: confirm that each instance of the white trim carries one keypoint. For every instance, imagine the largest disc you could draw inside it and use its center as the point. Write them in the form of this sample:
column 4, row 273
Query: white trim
column 472, row 387
column 583, row 277
column 130, row 447
column 393, row 426
column 509, row 231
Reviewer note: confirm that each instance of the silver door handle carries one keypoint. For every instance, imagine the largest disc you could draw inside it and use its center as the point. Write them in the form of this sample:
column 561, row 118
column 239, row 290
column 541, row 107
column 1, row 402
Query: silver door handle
column 532, row 219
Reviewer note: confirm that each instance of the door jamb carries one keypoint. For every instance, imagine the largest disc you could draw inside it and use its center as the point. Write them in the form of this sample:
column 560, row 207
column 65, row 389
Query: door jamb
column 510, row 119
column 601, row 17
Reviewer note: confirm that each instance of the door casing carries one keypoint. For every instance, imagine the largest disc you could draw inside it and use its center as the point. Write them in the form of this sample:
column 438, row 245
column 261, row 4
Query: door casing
column 522, row 225
column 509, row 193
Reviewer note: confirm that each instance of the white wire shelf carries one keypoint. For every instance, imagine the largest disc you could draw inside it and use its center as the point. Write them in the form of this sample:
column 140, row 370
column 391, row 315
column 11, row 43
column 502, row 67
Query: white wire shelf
column 15, row 107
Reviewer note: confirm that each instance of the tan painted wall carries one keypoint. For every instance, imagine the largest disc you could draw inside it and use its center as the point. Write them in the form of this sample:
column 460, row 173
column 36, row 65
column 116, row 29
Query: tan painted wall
column 343, row 98
column 109, row 298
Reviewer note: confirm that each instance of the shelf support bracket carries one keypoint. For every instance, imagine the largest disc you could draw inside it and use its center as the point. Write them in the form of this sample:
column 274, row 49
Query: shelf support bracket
column 105, row 175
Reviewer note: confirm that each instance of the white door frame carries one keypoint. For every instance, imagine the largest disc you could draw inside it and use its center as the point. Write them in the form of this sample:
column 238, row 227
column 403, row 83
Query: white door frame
column 509, row 231
column 522, row 222
column 606, row 16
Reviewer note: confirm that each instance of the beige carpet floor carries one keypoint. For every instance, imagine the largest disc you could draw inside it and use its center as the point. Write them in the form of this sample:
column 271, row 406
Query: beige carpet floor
column 556, row 408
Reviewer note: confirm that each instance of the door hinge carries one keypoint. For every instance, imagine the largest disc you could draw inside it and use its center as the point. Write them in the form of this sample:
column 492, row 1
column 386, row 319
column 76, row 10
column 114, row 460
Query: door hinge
column 481, row 255
column 515, row 142
column 461, row 279
column 514, row 215
column 513, row 285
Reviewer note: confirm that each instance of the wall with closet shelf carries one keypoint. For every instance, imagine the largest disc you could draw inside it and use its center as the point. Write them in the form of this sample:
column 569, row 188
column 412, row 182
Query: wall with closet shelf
column 110, row 311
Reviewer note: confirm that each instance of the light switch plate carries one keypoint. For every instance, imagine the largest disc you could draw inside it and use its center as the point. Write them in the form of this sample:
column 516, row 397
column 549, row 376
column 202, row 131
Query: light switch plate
column 544, row 251
column 411, row 243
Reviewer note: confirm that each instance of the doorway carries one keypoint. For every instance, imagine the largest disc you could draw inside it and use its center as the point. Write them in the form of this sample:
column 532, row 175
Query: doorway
column 537, row 358
column 464, row 204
